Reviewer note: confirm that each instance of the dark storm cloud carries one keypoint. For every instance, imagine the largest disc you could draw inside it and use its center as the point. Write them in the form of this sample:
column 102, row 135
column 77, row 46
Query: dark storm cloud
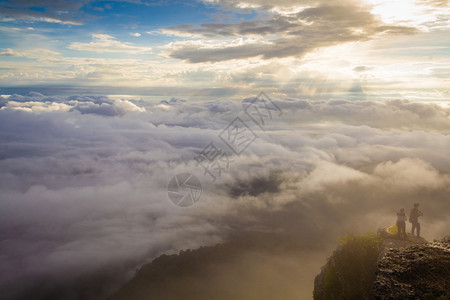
column 297, row 34
column 83, row 195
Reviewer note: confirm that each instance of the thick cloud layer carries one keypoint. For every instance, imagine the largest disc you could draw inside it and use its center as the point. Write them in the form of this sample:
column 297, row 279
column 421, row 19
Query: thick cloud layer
column 100, row 105
column 84, row 181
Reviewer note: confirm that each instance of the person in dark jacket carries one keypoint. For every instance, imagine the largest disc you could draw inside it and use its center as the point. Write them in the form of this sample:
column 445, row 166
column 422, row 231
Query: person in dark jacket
column 414, row 219
column 401, row 224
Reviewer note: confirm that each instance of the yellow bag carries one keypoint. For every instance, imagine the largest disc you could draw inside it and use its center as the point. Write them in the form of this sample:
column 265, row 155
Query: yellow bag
column 392, row 229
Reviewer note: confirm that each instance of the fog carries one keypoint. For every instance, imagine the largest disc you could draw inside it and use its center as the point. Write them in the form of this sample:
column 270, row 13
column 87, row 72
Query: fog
column 83, row 183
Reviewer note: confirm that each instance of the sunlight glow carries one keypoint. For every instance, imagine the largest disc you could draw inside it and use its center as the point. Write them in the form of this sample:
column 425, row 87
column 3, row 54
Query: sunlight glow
column 400, row 11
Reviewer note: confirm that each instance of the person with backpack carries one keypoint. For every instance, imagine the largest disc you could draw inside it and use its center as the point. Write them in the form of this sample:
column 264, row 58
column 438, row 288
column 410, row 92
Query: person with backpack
column 414, row 219
column 401, row 224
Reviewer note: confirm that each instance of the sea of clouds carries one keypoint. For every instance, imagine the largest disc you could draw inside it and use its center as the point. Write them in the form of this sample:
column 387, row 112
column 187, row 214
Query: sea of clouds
column 83, row 181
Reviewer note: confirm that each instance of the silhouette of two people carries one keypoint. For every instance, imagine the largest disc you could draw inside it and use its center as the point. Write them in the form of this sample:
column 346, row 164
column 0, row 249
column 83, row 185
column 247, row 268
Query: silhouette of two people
column 413, row 219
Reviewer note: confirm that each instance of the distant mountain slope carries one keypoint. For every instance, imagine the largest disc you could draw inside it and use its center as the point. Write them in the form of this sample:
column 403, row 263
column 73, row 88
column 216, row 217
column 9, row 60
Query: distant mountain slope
column 252, row 267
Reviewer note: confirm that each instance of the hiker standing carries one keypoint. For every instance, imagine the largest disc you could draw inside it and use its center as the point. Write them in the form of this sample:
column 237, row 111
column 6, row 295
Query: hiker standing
column 414, row 219
column 401, row 224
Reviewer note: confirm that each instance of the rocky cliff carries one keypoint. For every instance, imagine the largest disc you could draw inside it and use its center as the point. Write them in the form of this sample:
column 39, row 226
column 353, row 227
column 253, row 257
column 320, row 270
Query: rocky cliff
column 412, row 269
column 418, row 271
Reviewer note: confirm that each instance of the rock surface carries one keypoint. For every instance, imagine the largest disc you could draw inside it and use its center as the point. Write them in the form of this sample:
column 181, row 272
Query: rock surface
column 418, row 271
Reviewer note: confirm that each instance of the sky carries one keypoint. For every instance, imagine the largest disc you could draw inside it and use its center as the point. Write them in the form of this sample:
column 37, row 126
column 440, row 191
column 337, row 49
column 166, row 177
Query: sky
column 215, row 48
column 102, row 103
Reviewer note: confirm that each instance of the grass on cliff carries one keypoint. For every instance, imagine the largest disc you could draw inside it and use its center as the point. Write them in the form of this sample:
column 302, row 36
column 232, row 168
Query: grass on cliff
column 352, row 273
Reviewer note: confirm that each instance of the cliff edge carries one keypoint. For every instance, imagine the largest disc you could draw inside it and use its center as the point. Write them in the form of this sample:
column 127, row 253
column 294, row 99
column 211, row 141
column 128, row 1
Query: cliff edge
column 370, row 267
column 418, row 271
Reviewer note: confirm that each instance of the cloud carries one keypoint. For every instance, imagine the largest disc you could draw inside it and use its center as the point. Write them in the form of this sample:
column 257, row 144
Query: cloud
column 199, row 51
column 103, row 106
column 412, row 174
column 32, row 106
column 437, row 3
column 135, row 34
column 33, row 53
column 291, row 35
column 277, row 25
column 266, row 4
column 38, row 53
column 440, row 72
column 103, row 43
column 9, row 52
column 60, row 5
column 391, row 114
column 37, row 103
column 49, row 11
column 361, row 68
column 84, row 181
column 386, row 115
